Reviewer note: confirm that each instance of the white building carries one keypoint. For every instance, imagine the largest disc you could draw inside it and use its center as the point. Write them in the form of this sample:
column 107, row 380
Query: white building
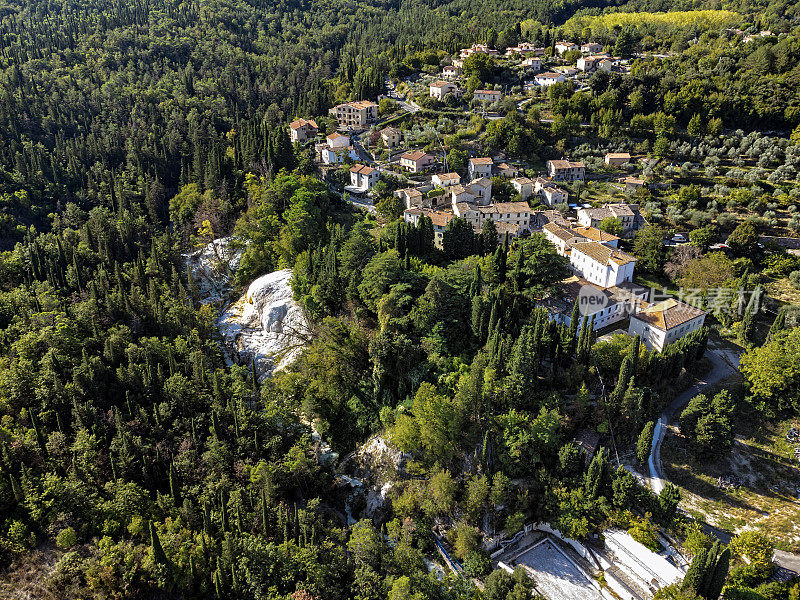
column 451, row 72
column 439, row 89
column 591, row 48
column 477, row 191
column 665, row 322
column 600, row 264
column 362, row 177
column 446, row 179
column 533, row 63
column 607, row 305
column 549, row 193
column 547, row 79
column 480, row 167
column 336, row 149
column 562, row 47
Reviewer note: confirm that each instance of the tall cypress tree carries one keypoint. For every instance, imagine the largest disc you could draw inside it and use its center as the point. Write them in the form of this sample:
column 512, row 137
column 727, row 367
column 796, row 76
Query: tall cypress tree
column 155, row 546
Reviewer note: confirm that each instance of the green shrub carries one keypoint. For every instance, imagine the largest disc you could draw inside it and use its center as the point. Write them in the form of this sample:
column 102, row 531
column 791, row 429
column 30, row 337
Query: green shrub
column 66, row 538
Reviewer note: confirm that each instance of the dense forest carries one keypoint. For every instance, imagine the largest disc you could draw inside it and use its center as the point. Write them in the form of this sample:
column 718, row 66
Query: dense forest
column 135, row 462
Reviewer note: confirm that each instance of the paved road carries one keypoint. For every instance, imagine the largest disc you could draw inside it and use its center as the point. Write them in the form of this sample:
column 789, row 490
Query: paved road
column 725, row 363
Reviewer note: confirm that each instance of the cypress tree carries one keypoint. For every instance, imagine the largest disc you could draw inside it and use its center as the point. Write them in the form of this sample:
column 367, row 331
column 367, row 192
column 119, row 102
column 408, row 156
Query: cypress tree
column 778, row 324
column 174, row 484
column 38, row 432
column 694, row 575
column 645, row 441
column 747, row 327
column 155, row 545
column 717, row 580
column 572, row 332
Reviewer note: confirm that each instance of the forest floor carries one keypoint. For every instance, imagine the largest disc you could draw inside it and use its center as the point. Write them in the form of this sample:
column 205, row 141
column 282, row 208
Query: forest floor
column 760, row 483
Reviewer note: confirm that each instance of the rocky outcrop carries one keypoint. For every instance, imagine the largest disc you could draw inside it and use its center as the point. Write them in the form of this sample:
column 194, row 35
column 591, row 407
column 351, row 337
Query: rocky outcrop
column 265, row 325
column 212, row 268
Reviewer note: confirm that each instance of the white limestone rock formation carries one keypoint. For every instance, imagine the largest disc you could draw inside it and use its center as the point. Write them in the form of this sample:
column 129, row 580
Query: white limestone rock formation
column 265, row 325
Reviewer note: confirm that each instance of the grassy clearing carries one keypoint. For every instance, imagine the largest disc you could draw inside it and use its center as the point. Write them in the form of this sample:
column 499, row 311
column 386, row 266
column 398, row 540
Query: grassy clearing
column 763, row 460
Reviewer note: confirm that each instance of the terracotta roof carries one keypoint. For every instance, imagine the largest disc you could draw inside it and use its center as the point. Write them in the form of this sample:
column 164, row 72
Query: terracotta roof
column 597, row 213
column 549, row 75
column 603, row 254
column 441, row 84
column 362, row 104
column 481, row 161
column 443, row 176
column 483, row 182
column 441, row 219
column 334, row 136
column 298, row 123
column 391, row 130
column 521, row 181
column 594, row 234
column 552, row 189
column 618, row 155
column 620, row 210
column 669, row 314
column 551, row 216
column 570, row 288
column 512, row 207
column 363, row 169
column 566, row 164
column 559, row 232
column 492, row 92
column 502, row 227
column 415, row 156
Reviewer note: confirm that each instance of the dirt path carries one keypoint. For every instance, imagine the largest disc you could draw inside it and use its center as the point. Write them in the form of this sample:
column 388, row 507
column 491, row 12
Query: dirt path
column 725, row 364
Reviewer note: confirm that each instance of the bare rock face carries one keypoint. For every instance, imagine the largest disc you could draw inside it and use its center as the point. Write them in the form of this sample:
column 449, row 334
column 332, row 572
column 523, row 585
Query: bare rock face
column 212, row 267
column 265, row 325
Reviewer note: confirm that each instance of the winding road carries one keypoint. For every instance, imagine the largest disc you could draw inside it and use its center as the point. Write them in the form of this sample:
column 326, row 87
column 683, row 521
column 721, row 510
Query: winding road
column 725, row 364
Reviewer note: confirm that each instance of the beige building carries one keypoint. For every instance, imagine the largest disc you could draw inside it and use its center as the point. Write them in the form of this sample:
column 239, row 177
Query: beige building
column 446, row 179
column 391, row 137
column 487, row 95
column 665, row 322
column 439, row 218
column 301, row 130
column 480, row 167
column 615, row 159
column 417, row 161
column 565, row 170
column 628, row 214
column 591, row 48
column 523, row 186
column 355, row 115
